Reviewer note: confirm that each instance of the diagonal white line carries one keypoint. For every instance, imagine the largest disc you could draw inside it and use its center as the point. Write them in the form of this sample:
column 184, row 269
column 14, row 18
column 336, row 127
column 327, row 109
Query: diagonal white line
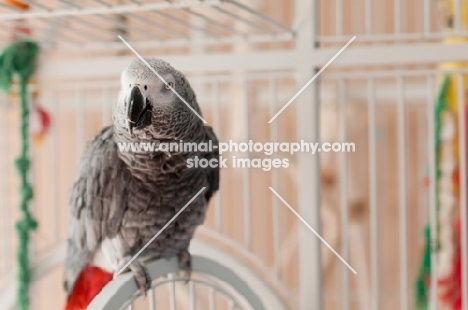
column 312, row 79
column 162, row 79
column 160, row 231
column 308, row 226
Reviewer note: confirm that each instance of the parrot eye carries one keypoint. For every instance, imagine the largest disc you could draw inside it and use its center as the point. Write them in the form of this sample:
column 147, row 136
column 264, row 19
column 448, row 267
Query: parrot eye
column 146, row 87
column 168, row 86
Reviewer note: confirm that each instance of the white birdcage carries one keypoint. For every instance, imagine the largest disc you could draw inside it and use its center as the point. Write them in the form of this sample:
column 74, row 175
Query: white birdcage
column 246, row 60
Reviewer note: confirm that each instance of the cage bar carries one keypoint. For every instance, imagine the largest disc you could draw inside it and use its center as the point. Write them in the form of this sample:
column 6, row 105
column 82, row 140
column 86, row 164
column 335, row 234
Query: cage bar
column 193, row 297
column 402, row 193
column 5, row 209
column 152, row 299
column 373, row 197
column 273, row 83
column 339, row 17
column 55, row 163
column 432, row 191
column 344, row 229
column 463, row 185
column 246, row 171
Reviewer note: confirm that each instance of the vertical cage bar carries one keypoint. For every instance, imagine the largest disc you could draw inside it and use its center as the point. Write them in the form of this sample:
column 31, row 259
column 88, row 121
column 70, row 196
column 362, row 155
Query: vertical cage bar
column 6, row 239
column 402, row 193
column 193, row 296
column 397, row 15
column 342, row 91
column 80, row 134
column 463, row 185
column 338, row 17
column 368, row 16
column 457, row 16
column 374, row 215
column 172, row 293
column 432, row 191
column 246, row 171
column 216, row 102
column 308, row 191
column 427, row 17
column 152, row 298
column 55, row 163
column 275, row 179
column 130, row 307
column 212, row 299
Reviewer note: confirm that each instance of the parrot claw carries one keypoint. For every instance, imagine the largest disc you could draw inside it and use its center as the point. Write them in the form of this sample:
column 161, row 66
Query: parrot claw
column 142, row 278
column 185, row 264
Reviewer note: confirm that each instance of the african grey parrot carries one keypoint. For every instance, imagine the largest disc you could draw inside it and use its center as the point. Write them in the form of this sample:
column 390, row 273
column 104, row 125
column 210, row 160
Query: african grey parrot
column 120, row 200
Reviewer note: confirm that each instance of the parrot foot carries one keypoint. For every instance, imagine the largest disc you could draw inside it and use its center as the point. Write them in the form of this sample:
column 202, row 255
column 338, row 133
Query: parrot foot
column 185, row 264
column 141, row 276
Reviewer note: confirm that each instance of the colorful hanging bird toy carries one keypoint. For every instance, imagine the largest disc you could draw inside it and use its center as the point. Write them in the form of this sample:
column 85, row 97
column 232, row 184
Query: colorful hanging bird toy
column 447, row 183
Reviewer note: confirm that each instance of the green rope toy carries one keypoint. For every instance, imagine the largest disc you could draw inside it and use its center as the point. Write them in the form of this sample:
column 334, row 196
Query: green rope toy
column 19, row 58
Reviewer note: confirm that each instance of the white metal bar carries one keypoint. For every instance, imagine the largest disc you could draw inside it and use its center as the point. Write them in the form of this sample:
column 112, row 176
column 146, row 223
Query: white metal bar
column 256, row 61
column 193, row 296
column 275, row 180
column 55, row 164
column 427, row 17
column 152, row 299
column 216, row 102
column 308, row 185
column 339, row 17
column 6, row 239
column 213, row 40
column 344, row 227
column 212, row 299
column 172, row 293
column 246, row 171
column 462, row 140
column 81, row 123
column 432, row 191
column 397, row 15
column 374, row 215
column 402, row 194
column 130, row 307
column 368, row 17
column 457, row 15
column 116, row 9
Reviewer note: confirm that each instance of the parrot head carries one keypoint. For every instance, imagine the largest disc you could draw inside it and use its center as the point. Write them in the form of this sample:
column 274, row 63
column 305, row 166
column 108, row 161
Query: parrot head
column 151, row 103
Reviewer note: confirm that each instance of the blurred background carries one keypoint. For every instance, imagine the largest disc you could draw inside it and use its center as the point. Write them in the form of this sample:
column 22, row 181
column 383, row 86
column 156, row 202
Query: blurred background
column 395, row 209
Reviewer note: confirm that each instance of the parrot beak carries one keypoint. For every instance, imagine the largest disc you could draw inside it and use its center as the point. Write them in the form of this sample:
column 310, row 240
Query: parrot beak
column 137, row 110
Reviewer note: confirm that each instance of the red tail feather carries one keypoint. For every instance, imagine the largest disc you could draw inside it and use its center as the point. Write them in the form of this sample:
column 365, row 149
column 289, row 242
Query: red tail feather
column 87, row 286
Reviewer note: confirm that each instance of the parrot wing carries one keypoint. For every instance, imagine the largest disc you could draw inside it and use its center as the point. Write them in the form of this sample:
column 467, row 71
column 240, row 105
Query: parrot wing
column 97, row 203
